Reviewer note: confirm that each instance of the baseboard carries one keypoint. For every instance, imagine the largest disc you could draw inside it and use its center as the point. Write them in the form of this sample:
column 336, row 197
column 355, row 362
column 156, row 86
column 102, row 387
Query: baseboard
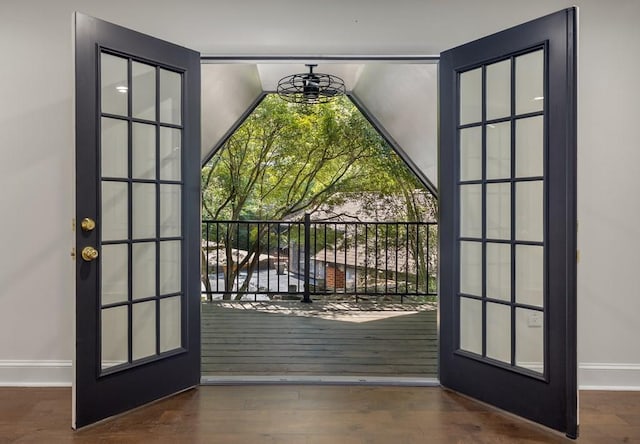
column 602, row 376
column 35, row 373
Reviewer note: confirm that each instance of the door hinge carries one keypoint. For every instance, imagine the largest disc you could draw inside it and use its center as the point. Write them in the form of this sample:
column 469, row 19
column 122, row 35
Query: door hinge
column 73, row 254
column 73, row 225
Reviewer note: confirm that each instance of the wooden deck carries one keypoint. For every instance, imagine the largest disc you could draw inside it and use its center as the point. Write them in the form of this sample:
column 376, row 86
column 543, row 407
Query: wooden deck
column 319, row 339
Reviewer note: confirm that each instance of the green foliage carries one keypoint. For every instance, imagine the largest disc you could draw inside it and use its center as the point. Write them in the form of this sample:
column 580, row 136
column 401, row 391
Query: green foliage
column 288, row 159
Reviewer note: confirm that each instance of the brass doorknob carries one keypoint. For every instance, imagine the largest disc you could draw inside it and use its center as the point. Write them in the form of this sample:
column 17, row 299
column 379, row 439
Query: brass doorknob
column 87, row 224
column 89, row 254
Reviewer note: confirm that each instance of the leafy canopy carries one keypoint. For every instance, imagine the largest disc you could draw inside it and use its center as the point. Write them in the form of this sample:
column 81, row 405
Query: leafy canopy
column 286, row 159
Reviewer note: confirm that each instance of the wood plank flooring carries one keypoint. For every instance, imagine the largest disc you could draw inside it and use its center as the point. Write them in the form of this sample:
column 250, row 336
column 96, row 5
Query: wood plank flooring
column 322, row 338
column 309, row 415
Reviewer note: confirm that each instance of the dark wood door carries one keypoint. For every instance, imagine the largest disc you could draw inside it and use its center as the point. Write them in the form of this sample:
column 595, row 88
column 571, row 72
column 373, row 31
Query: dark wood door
column 508, row 220
column 137, row 207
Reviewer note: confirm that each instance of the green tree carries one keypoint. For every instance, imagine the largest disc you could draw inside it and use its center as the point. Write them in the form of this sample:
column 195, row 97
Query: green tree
column 285, row 159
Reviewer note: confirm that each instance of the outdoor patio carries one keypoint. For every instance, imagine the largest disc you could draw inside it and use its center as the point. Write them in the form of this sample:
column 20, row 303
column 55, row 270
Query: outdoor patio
column 363, row 339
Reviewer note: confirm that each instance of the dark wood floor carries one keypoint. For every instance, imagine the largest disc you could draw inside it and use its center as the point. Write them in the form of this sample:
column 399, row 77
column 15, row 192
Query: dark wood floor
column 323, row 338
column 309, row 415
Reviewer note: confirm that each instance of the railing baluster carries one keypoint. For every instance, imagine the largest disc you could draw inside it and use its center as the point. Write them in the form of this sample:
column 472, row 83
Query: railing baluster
column 298, row 256
column 278, row 255
column 428, row 267
column 386, row 259
column 406, row 259
column 238, row 260
column 289, row 257
column 258, row 238
column 268, row 258
column 395, row 276
column 366, row 258
column 417, row 258
column 346, row 266
column 217, row 257
column 307, row 258
column 355, row 259
column 336, row 235
column 326, row 268
column 376, row 267
column 346, row 236
column 249, row 261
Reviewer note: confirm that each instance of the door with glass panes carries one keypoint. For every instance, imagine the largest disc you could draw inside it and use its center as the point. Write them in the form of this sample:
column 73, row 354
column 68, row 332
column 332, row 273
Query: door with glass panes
column 137, row 208
column 508, row 220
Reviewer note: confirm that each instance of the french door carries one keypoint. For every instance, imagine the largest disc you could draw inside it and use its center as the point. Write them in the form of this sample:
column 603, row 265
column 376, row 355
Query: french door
column 137, row 217
column 508, row 220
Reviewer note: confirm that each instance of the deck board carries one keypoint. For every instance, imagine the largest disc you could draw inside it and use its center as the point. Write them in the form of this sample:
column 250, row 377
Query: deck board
column 323, row 338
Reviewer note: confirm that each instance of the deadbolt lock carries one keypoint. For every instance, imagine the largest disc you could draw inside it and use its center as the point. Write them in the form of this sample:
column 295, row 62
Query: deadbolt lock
column 88, row 224
column 89, row 254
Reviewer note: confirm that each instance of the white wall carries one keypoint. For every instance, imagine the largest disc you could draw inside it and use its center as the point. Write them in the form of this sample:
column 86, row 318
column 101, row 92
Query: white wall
column 36, row 139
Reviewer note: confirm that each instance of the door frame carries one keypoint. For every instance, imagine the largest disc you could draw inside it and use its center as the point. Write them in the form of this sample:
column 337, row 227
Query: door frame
column 388, row 138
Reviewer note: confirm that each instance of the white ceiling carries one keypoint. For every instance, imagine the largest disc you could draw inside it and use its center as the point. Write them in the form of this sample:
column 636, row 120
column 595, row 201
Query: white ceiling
column 270, row 73
column 401, row 96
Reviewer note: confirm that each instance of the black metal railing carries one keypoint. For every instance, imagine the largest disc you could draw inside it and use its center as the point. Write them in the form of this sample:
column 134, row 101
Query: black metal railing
column 266, row 260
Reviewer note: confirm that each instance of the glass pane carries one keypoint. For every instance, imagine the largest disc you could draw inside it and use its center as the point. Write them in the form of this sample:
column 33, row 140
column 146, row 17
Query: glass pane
column 144, row 91
column 144, row 210
column 170, row 154
column 499, row 271
column 144, row 270
column 530, row 339
column 471, row 96
column 144, row 151
column 529, row 211
column 530, row 147
column 499, row 332
column 170, row 210
column 170, row 267
column 170, row 97
column 471, row 153
column 530, row 275
column 114, row 84
column 499, row 150
column 499, row 211
column 499, row 90
column 143, row 330
column 530, row 82
column 115, row 211
column 114, row 280
column 114, row 337
column 471, row 268
column 114, row 148
column 170, row 324
column 471, row 325
column 471, row 210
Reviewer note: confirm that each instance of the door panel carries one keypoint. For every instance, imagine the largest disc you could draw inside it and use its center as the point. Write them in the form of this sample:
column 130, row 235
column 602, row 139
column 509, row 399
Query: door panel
column 137, row 177
column 508, row 220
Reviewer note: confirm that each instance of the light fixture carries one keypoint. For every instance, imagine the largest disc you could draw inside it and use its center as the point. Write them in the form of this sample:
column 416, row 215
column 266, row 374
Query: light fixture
column 311, row 87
